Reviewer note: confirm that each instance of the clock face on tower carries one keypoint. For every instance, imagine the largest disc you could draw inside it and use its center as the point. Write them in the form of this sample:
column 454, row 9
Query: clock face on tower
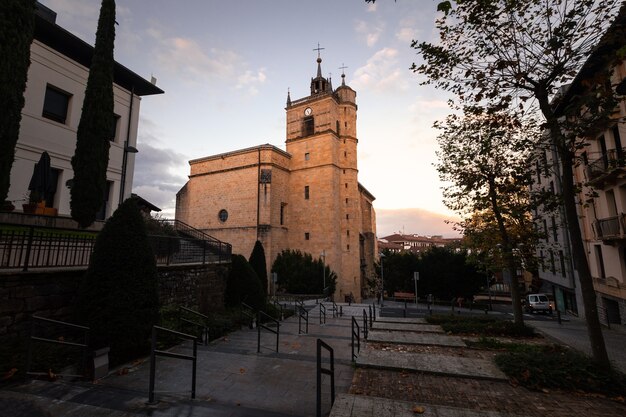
column 308, row 111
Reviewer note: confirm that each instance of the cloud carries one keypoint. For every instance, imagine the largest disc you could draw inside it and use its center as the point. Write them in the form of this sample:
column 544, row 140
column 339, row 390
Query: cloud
column 381, row 73
column 250, row 79
column 413, row 221
column 372, row 7
column 407, row 30
column 187, row 59
column 158, row 171
column 371, row 34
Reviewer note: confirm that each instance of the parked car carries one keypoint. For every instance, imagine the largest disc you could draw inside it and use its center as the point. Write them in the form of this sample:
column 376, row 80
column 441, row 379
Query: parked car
column 537, row 302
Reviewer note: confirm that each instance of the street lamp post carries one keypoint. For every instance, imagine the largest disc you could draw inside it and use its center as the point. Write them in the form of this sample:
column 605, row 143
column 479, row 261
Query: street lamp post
column 382, row 280
column 323, row 257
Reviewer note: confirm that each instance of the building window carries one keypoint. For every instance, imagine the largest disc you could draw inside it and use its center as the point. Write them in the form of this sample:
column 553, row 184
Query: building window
column 562, row 257
column 114, row 125
column 541, row 261
column 338, row 128
column 545, row 231
column 344, row 171
column 346, row 185
column 306, row 236
column 555, row 233
column 345, row 154
column 347, row 233
column 308, row 127
column 346, row 201
column 55, row 104
column 552, row 265
column 306, row 192
column 222, row 215
column 348, row 247
column 347, row 217
column 307, row 156
column 101, row 214
column 282, row 213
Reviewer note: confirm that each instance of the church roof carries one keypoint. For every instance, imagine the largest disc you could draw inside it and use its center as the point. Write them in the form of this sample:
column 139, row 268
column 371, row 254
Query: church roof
column 266, row 146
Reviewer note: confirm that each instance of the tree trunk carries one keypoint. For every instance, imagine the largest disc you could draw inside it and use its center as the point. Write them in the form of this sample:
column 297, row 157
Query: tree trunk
column 594, row 329
column 508, row 255
column 579, row 254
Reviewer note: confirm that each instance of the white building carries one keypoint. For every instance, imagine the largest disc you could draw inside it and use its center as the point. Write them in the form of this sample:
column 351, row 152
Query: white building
column 57, row 79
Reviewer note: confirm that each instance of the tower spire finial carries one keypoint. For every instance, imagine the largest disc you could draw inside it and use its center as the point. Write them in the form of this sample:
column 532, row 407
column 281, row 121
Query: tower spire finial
column 319, row 59
column 343, row 74
column 288, row 97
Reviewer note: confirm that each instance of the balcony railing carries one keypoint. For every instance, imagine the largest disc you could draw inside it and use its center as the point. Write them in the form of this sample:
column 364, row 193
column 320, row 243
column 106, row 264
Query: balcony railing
column 610, row 228
column 606, row 168
column 32, row 247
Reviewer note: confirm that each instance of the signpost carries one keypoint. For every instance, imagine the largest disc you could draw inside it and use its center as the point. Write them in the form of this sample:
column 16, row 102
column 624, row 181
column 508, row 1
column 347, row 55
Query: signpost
column 416, row 277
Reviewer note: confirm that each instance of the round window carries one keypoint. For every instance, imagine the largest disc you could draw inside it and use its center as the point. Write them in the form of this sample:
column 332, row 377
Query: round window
column 223, row 215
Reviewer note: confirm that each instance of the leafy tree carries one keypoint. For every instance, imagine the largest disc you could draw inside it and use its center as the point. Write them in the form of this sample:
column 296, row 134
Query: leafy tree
column 118, row 296
column 397, row 271
column 299, row 273
column 17, row 25
column 520, row 53
column 243, row 285
column 483, row 159
column 257, row 261
column 91, row 157
column 446, row 273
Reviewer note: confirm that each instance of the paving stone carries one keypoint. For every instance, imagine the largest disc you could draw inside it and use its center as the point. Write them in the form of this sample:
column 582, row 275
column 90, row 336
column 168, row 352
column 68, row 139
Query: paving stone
column 407, row 327
column 414, row 320
column 415, row 338
column 430, row 363
column 347, row 405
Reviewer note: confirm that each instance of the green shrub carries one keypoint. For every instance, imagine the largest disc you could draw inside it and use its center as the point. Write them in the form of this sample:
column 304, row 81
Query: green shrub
column 299, row 273
column 558, row 368
column 118, row 296
column 243, row 285
column 482, row 325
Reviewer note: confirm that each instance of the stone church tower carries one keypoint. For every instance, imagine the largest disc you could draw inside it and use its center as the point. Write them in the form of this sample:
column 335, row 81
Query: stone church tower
column 307, row 198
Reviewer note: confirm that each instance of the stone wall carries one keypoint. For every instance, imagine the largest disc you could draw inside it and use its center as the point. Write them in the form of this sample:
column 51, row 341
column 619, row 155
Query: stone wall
column 51, row 293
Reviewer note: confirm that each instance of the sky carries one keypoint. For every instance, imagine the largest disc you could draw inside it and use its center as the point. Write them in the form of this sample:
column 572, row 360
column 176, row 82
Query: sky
column 226, row 67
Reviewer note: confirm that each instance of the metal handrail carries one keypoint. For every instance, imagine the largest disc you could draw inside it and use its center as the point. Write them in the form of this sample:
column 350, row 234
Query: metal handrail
column 303, row 314
column 322, row 313
column 320, row 371
column 154, row 353
column 32, row 338
column 29, row 247
column 248, row 311
column 364, row 324
column 335, row 310
column 356, row 333
column 260, row 325
column 204, row 333
column 371, row 318
column 278, row 305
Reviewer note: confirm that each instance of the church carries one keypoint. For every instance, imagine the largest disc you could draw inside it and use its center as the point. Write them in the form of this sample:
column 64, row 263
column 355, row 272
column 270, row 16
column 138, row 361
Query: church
column 306, row 198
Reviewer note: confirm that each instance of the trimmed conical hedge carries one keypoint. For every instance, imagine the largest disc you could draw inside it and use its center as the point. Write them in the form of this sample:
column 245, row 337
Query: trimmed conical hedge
column 118, row 297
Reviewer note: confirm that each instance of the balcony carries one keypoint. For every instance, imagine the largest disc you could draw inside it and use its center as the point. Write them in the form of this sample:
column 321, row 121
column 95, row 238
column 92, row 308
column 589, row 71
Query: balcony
column 610, row 229
column 607, row 169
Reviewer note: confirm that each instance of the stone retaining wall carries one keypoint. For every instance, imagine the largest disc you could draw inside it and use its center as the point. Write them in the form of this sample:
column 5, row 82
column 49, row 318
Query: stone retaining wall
column 51, row 293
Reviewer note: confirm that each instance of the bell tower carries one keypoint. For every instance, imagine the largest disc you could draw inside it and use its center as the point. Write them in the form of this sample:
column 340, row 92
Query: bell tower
column 324, row 191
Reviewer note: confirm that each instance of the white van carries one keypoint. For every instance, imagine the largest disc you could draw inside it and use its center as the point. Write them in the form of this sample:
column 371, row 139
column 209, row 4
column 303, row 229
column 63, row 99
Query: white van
column 537, row 302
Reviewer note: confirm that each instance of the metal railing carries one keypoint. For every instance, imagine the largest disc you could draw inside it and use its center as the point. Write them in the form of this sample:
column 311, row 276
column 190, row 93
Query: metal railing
column 371, row 316
column 322, row 313
column 355, row 333
column 203, row 337
column 24, row 247
column 320, row 371
column 603, row 317
column 57, row 341
column 607, row 162
column 335, row 310
column 249, row 313
column 260, row 324
column 154, row 353
column 279, row 307
column 610, row 227
column 365, row 324
column 303, row 314
column 29, row 247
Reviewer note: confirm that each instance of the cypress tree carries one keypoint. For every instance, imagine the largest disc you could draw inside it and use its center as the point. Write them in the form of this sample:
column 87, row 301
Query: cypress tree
column 17, row 25
column 257, row 262
column 91, row 157
column 118, row 297
column 243, row 285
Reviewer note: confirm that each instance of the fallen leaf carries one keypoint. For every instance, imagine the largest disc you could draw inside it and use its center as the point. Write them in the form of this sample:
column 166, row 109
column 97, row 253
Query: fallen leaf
column 52, row 376
column 418, row 409
column 137, row 362
column 123, row 371
column 242, row 371
column 61, row 339
column 525, row 374
column 9, row 374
